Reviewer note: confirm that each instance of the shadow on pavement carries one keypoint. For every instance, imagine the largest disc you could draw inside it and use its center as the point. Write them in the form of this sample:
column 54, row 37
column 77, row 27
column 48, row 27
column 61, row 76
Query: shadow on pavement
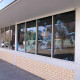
column 11, row 72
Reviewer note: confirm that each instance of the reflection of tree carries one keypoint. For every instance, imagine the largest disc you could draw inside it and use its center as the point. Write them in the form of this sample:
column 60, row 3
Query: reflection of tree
column 39, row 35
column 30, row 35
column 44, row 36
column 30, row 40
column 61, row 32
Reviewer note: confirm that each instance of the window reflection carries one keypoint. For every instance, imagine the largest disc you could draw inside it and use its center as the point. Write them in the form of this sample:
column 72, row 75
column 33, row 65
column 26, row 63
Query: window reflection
column 44, row 36
column 6, row 37
column 12, row 37
column 31, row 36
column 21, row 36
column 2, row 38
column 64, row 35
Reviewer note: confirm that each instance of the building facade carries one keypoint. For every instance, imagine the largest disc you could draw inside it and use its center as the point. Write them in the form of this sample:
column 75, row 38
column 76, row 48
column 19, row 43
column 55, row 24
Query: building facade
column 46, row 45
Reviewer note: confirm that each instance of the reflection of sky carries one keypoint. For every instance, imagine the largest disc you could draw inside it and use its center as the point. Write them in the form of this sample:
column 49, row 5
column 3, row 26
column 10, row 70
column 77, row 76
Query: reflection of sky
column 31, row 29
column 42, row 27
column 5, row 3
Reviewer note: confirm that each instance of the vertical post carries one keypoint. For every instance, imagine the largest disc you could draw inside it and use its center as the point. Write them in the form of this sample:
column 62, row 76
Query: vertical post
column 15, row 43
column 15, row 37
column 25, row 37
column 52, row 39
column 77, row 36
column 9, row 36
column 4, row 36
column 36, row 49
column 77, row 42
column 0, row 37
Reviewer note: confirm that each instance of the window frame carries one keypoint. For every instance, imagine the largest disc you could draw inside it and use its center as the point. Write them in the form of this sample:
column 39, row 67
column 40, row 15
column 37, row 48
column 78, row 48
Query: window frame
column 52, row 43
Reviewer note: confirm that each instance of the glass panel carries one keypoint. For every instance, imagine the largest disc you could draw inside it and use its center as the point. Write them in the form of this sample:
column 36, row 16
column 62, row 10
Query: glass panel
column 44, row 36
column 64, row 35
column 12, row 37
column 6, row 37
column 31, row 37
column 21, row 36
column 2, row 37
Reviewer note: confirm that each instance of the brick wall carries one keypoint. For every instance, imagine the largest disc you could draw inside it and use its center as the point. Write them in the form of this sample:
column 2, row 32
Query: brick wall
column 44, row 70
column 4, row 55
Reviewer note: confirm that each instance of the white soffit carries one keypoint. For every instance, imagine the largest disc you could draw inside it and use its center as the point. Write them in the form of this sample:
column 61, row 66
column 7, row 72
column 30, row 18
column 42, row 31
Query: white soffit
column 27, row 9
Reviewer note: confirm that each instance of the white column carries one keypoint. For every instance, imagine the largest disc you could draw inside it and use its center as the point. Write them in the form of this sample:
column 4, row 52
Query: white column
column 77, row 37
column 25, row 37
column 0, row 37
column 36, row 47
column 9, row 36
column 15, row 43
column 52, row 39
column 15, row 37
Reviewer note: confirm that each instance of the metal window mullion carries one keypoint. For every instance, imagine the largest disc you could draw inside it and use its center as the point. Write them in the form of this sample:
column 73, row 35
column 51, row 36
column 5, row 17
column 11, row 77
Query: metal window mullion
column 9, row 36
column 16, row 37
column 52, row 39
column 25, row 36
column 0, row 37
column 4, row 36
column 36, row 47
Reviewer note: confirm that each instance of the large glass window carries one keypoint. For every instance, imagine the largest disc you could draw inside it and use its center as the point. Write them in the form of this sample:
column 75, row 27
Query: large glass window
column 64, row 35
column 6, row 37
column 63, row 45
column 12, row 37
column 31, row 36
column 2, row 37
column 20, row 37
column 44, row 36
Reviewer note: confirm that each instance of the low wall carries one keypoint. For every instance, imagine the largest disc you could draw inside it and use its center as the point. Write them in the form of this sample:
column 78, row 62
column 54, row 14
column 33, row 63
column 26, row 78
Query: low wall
column 39, row 68
column 4, row 55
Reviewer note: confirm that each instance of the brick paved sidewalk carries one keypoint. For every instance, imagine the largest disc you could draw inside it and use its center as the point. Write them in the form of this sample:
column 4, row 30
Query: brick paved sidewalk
column 11, row 72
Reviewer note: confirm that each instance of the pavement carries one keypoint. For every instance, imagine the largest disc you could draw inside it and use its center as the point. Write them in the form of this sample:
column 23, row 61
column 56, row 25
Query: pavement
column 11, row 72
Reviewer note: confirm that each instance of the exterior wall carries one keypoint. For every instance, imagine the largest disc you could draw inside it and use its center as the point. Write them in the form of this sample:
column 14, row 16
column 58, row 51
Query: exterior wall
column 44, row 70
column 45, row 67
column 77, row 43
column 41, row 69
column 7, row 56
column 77, row 37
